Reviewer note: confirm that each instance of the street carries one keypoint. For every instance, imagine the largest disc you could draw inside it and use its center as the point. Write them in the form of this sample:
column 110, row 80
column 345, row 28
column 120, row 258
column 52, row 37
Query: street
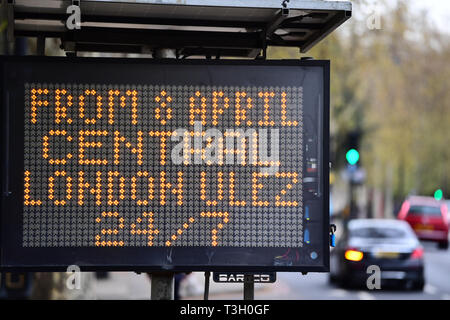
column 316, row 287
column 293, row 286
column 289, row 286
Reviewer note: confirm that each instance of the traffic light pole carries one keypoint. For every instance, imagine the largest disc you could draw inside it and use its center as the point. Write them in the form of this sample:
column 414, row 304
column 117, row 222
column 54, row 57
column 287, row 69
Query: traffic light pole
column 352, row 214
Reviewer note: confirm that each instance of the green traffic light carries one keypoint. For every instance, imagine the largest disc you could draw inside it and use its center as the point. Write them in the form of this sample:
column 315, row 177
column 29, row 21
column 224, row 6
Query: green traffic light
column 438, row 194
column 352, row 156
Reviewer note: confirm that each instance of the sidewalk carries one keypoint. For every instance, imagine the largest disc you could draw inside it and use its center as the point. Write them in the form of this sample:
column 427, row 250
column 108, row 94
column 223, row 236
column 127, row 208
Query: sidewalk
column 122, row 286
column 129, row 285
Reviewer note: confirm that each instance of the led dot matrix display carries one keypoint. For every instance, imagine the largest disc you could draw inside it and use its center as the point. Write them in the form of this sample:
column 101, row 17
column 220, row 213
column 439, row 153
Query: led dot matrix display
column 133, row 163
column 100, row 169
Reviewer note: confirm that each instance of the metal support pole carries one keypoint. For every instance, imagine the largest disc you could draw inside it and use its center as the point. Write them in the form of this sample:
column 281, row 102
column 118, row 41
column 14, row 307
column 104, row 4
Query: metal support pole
column 162, row 286
column 41, row 46
column 206, row 293
column 249, row 288
column 351, row 207
column 9, row 12
column 353, row 213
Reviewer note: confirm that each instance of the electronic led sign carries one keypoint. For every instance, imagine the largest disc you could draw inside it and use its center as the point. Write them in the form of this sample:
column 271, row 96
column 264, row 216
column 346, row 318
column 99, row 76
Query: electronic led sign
column 196, row 165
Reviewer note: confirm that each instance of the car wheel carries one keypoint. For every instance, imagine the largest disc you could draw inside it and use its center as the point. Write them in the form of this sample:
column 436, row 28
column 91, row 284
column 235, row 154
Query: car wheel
column 332, row 279
column 335, row 280
column 418, row 285
column 345, row 282
column 443, row 245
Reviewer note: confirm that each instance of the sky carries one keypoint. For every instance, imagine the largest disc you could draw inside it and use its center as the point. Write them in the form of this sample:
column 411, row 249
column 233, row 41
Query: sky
column 439, row 11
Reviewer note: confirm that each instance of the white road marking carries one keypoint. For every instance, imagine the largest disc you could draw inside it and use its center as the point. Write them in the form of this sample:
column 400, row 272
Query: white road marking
column 429, row 289
column 363, row 295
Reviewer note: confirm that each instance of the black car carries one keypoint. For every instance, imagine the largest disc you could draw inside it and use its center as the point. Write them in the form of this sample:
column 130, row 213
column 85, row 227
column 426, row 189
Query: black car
column 389, row 244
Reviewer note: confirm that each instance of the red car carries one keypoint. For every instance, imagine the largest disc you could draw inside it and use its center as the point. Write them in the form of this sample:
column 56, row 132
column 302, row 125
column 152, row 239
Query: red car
column 428, row 218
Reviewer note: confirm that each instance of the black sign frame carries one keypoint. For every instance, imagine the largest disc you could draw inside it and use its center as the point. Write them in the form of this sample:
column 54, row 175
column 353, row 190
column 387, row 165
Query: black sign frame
column 13, row 257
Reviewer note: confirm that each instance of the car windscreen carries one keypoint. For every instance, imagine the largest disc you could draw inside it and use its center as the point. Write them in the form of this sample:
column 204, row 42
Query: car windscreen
column 424, row 211
column 379, row 233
